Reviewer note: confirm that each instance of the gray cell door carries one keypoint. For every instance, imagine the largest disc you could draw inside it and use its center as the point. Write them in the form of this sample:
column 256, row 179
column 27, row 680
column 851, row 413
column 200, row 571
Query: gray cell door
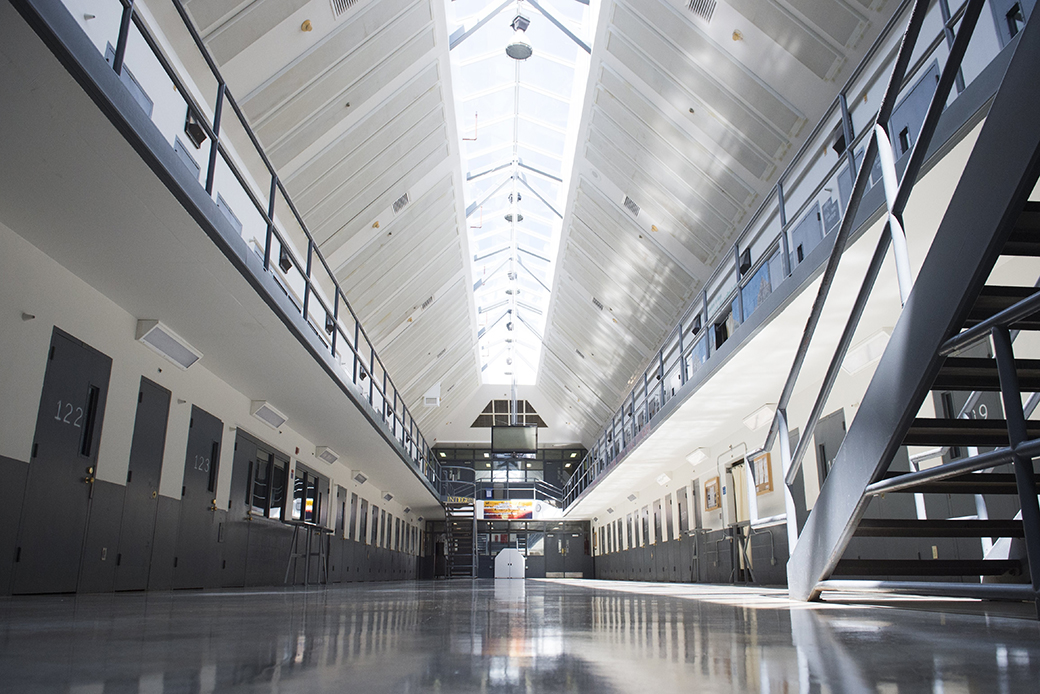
column 196, row 559
column 556, row 547
column 574, row 562
column 62, row 467
column 830, row 432
column 141, row 500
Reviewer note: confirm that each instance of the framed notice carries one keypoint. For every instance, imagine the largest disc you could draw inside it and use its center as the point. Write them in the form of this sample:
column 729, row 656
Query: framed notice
column 712, row 497
column 763, row 474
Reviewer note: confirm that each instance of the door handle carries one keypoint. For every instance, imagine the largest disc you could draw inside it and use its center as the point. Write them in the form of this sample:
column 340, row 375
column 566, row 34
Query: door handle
column 88, row 479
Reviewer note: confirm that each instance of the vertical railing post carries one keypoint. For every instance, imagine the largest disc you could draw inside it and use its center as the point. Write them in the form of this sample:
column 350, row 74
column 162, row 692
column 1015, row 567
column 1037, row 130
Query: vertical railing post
column 214, row 146
column 895, row 222
column 944, row 8
column 270, row 222
column 785, row 245
column 124, row 35
column 371, row 372
column 335, row 321
column 355, row 350
column 785, row 464
column 307, row 281
column 1025, row 478
column 660, row 374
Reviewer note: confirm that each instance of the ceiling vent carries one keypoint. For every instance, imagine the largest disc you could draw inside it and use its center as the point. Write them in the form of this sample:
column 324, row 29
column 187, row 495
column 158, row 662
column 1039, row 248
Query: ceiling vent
column 169, row 344
column 426, row 304
column 341, row 6
column 360, row 478
column 597, row 303
column 263, row 411
column 578, row 352
column 326, row 454
column 399, row 203
column 702, row 8
column 631, row 206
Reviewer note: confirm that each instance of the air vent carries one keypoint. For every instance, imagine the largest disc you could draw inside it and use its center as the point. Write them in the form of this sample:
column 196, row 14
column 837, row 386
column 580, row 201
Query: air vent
column 169, row 344
column 400, row 203
column 263, row 411
column 360, row 478
column 426, row 304
column 597, row 303
column 702, row 8
column 578, row 352
column 326, row 454
column 442, row 353
column 631, row 206
column 341, row 6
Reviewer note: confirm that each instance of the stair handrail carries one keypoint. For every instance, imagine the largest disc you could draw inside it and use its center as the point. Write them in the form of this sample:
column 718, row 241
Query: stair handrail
column 897, row 194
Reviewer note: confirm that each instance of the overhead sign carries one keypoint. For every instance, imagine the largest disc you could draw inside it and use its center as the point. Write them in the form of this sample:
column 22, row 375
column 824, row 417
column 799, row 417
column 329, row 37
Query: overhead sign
column 506, row 509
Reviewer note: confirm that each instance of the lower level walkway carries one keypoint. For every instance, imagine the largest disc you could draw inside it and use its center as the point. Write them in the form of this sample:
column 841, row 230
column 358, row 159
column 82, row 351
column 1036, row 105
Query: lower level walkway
column 505, row 636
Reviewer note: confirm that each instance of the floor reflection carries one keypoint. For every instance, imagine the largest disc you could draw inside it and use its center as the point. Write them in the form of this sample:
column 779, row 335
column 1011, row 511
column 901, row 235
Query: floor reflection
column 509, row 636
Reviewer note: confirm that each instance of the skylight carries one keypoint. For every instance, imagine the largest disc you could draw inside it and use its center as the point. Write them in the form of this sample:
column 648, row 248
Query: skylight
column 517, row 122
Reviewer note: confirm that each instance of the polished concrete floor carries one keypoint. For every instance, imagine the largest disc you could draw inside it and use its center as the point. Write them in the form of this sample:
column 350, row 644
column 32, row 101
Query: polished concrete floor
column 504, row 636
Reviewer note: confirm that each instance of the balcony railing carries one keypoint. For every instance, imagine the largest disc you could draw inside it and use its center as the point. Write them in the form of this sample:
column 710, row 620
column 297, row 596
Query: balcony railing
column 806, row 206
column 170, row 73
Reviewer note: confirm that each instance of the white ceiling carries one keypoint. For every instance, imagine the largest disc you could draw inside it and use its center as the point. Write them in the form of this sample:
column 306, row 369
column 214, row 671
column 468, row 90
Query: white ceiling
column 678, row 115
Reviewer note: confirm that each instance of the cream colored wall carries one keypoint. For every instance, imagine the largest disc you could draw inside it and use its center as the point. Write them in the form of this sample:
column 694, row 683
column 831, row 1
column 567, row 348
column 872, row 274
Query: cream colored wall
column 33, row 284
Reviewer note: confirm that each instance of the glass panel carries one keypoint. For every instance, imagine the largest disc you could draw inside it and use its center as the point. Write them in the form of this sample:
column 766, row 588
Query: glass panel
column 261, row 483
column 279, row 476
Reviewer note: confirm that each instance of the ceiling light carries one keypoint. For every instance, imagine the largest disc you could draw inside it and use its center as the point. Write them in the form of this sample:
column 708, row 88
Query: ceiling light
column 866, row 352
column 443, row 454
column 267, row 414
column 567, row 465
column 327, row 454
column 663, row 479
column 698, row 456
column 360, row 478
column 161, row 340
column 518, row 49
column 575, row 453
column 760, row 417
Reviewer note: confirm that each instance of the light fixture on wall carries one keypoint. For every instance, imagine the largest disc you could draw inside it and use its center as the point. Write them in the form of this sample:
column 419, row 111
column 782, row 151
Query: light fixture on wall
column 266, row 413
column 760, row 417
column 388, row 496
column 610, row 510
column 163, row 341
column 360, row 478
column 866, row 352
column 698, row 456
column 407, row 509
column 327, row 454
column 663, row 479
column 633, row 496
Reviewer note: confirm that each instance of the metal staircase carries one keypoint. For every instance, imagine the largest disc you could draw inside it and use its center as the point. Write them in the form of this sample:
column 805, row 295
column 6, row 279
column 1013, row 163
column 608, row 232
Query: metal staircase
column 460, row 535
column 935, row 347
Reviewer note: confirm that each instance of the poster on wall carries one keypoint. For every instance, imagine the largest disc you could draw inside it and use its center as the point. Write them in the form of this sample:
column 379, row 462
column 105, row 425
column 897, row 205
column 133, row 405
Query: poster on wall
column 763, row 474
column 712, row 499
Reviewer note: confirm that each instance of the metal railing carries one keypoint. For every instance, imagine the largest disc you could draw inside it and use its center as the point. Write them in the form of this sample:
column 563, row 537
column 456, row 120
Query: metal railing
column 469, row 488
column 236, row 164
column 801, row 206
column 897, row 193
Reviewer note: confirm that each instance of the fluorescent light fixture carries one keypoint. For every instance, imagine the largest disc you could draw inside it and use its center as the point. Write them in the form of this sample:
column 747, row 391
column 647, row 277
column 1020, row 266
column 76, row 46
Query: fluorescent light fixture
column 866, row 352
column 262, row 410
column 633, row 496
column 567, row 465
column 163, row 341
column 443, row 454
column 574, row 454
column 760, row 417
column 388, row 496
column 663, row 479
column 360, row 478
column 698, row 456
column 327, row 454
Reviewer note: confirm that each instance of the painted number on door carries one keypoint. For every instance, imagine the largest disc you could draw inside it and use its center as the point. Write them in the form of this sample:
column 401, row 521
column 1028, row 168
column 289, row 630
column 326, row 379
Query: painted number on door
column 69, row 414
column 201, row 463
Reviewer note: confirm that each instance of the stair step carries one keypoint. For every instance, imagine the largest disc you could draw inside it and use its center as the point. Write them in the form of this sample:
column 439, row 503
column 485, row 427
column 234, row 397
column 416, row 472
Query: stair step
column 905, row 527
column 927, row 567
column 1025, row 239
column 962, row 432
column 980, row 373
column 995, row 298
column 971, row 483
